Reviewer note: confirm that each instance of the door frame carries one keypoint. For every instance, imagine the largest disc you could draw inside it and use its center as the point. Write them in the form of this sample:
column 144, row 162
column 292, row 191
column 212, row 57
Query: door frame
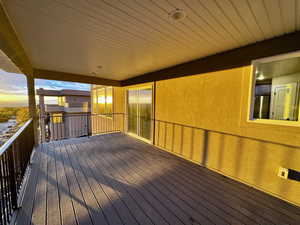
column 294, row 101
column 152, row 112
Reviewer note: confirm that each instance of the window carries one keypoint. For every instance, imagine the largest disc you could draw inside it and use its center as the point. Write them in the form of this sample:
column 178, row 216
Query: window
column 109, row 99
column 276, row 88
column 102, row 100
column 61, row 101
column 57, row 118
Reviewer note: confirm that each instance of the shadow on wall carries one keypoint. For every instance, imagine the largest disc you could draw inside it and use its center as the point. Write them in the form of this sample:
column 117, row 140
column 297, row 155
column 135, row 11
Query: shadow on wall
column 221, row 152
column 248, row 160
column 260, row 163
column 240, row 152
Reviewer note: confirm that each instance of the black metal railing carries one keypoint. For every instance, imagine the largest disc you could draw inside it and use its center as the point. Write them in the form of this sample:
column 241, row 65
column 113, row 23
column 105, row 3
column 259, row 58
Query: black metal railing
column 57, row 127
column 14, row 157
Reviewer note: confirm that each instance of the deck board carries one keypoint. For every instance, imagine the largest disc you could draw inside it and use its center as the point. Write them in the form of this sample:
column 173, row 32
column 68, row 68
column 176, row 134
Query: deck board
column 115, row 179
column 67, row 211
column 123, row 195
column 39, row 214
column 53, row 209
column 113, row 191
column 199, row 191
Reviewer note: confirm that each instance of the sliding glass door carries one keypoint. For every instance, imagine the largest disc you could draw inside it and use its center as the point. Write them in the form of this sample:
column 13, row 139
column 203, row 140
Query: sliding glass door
column 139, row 108
column 132, row 102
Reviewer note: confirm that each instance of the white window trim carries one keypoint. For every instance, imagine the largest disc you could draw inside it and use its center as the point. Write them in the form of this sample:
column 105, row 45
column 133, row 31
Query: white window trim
column 251, row 99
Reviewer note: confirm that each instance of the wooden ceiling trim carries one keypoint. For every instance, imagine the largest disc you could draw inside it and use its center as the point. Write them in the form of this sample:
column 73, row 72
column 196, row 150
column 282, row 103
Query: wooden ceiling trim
column 10, row 44
column 62, row 76
column 222, row 61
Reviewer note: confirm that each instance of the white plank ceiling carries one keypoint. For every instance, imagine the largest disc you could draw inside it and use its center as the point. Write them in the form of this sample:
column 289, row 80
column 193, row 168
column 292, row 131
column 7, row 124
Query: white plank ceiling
column 127, row 38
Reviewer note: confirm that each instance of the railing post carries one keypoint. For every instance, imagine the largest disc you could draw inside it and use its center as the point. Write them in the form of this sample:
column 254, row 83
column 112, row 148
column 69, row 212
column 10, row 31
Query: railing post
column 88, row 125
column 12, row 179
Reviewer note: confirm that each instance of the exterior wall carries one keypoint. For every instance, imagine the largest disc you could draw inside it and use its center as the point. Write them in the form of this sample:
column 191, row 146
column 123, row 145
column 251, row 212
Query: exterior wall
column 73, row 105
column 242, row 150
column 77, row 99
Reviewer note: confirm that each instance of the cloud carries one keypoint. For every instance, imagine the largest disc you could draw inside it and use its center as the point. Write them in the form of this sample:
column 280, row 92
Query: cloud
column 58, row 85
column 16, row 85
column 11, row 83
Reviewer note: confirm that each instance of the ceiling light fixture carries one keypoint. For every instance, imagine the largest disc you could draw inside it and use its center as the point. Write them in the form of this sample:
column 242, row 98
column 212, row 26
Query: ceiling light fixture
column 260, row 77
column 177, row 15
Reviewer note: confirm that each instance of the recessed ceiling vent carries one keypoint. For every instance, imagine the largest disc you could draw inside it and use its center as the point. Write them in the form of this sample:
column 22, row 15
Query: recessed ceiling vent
column 177, row 15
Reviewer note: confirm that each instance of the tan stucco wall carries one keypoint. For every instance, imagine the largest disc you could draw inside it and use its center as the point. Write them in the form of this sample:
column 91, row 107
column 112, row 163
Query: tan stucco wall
column 219, row 102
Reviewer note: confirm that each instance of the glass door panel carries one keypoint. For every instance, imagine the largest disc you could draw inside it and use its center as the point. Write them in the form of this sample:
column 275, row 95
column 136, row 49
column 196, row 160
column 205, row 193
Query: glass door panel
column 139, row 106
column 145, row 111
column 132, row 102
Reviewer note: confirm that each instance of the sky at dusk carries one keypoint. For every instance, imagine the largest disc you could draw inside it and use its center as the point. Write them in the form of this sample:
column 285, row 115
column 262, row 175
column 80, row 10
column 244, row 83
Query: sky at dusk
column 13, row 89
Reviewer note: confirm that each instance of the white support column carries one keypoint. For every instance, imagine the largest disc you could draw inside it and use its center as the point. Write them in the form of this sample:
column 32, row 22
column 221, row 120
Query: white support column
column 32, row 106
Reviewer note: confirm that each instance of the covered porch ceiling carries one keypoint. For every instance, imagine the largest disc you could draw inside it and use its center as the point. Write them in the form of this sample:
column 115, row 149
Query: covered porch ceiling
column 122, row 42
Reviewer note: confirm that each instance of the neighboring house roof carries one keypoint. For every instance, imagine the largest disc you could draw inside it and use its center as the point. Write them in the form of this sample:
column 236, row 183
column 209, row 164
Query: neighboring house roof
column 63, row 92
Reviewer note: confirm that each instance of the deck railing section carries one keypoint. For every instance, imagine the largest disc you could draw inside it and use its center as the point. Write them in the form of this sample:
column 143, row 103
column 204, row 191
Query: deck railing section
column 14, row 157
column 57, row 127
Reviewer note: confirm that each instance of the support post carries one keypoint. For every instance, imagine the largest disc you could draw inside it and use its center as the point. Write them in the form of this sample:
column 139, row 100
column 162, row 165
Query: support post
column 32, row 106
column 42, row 118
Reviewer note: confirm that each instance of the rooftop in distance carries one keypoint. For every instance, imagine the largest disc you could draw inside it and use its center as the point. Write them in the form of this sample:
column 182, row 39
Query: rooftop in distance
column 63, row 92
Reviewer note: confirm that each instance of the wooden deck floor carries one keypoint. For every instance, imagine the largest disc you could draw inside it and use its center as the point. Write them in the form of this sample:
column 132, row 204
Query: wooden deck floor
column 115, row 179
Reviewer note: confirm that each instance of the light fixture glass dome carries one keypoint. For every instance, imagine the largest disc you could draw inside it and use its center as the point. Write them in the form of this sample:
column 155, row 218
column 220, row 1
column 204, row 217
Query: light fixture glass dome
column 177, row 15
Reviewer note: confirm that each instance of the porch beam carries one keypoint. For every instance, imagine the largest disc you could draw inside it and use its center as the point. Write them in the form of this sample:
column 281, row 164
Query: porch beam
column 32, row 106
column 222, row 61
column 11, row 45
column 63, row 76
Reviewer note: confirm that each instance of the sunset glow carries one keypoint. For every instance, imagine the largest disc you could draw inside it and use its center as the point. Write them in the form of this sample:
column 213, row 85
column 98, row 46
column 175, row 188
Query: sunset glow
column 13, row 100
column 13, row 89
